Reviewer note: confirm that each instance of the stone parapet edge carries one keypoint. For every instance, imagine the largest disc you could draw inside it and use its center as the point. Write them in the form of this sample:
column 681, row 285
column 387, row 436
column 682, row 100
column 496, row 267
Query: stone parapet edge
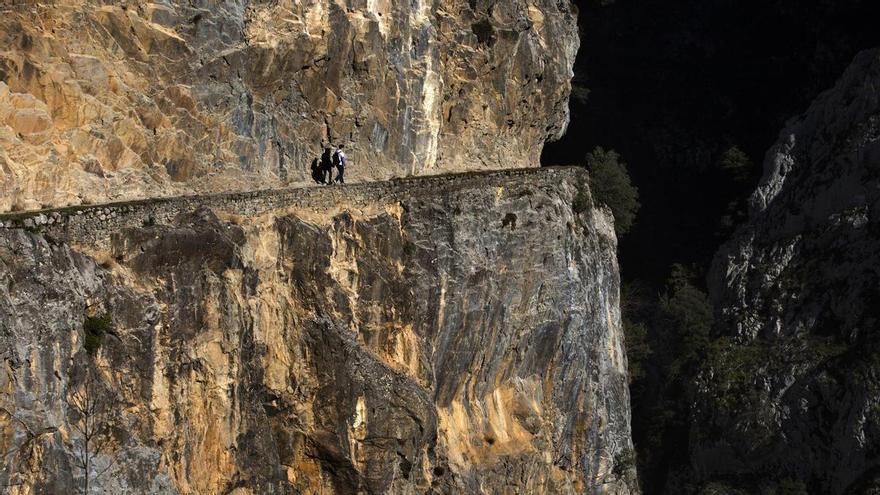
column 94, row 224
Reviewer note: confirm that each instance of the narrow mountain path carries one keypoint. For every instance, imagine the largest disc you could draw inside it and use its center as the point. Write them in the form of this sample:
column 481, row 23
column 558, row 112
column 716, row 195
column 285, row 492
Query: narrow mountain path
column 93, row 224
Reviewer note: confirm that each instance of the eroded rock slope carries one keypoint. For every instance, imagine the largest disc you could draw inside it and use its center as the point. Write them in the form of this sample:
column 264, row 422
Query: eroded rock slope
column 794, row 393
column 109, row 100
column 459, row 336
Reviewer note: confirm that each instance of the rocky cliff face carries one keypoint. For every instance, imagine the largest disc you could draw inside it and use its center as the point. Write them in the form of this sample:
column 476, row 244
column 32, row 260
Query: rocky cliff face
column 132, row 99
column 793, row 392
column 459, row 336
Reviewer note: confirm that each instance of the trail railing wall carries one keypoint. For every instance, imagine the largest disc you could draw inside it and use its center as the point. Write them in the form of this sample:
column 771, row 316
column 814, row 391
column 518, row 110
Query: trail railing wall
column 94, row 224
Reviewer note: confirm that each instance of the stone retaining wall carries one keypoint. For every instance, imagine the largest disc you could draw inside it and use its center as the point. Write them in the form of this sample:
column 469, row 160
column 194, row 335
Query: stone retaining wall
column 93, row 225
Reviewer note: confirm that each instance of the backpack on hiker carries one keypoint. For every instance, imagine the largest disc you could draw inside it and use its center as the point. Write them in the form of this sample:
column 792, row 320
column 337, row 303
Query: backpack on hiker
column 339, row 162
column 338, row 158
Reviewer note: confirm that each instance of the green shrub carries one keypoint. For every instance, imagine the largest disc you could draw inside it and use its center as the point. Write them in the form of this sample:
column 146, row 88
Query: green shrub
column 685, row 316
column 733, row 368
column 720, row 488
column 94, row 328
column 788, row 487
column 736, row 164
column 612, row 186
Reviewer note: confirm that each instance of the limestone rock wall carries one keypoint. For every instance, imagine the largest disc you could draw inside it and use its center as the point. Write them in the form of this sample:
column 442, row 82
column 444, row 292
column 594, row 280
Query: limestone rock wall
column 120, row 100
column 457, row 337
column 794, row 392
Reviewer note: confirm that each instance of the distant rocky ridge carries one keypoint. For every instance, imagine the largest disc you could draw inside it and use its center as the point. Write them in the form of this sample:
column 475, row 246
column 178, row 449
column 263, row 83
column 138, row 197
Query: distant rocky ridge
column 793, row 391
column 454, row 334
column 120, row 100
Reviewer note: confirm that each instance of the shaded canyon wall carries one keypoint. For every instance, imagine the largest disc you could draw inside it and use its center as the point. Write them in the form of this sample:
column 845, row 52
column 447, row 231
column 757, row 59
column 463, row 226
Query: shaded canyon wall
column 793, row 392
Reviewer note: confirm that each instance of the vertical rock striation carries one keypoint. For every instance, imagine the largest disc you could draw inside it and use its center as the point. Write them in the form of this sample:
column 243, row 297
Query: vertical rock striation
column 793, row 392
column 458, row 338
column 131, row 99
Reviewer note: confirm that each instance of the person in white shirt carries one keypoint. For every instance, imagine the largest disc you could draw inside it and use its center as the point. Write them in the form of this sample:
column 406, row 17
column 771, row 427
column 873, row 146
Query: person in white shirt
column 340, row 162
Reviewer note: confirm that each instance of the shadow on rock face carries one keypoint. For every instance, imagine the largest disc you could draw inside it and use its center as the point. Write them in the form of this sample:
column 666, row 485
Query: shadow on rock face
column 197, row 241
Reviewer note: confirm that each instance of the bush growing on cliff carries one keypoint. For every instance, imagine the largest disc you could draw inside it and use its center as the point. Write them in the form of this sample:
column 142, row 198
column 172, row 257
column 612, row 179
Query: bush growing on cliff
column 736, row 164
column 719, row 488
column 94, row 328
column 736, row 170
column 731, row 372
column 663, row 362
column 788, row 487
column 612, row 186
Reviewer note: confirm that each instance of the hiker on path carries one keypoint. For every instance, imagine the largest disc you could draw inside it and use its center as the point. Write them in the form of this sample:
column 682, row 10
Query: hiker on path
column 339, row 161
column 327, row 166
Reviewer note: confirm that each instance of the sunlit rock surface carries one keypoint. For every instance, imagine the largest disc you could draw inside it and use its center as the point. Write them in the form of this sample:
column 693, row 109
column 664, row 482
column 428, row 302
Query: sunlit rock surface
column 120, row 100
column 462, row 336
column 794, row 392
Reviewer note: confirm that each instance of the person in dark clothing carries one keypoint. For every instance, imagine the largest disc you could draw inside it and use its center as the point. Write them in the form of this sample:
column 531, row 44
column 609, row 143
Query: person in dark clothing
column 340, row 162
column 327, row 166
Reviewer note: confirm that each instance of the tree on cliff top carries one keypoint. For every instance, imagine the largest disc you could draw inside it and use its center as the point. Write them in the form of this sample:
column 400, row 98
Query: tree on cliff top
column 612, row 186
